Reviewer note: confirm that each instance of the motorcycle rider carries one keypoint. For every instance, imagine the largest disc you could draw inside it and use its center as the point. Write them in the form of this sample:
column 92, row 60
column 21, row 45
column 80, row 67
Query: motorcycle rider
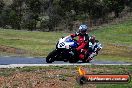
column 83, row 40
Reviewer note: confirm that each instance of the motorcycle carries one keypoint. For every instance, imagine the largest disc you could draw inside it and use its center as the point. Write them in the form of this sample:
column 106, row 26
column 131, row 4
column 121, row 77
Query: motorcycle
column 65, row 51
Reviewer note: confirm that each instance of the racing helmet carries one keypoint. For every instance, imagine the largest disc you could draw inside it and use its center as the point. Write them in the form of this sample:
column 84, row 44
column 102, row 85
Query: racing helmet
column 83, row 28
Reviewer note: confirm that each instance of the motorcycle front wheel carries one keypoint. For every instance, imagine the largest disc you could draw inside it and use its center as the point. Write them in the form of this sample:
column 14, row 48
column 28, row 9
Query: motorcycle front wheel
column 51, row 56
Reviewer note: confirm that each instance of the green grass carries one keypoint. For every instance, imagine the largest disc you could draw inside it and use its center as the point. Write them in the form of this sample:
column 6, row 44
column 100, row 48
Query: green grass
column 114, row 86
column 39, row 42
column 6, row 72
column 116, row 40
column 118, row 33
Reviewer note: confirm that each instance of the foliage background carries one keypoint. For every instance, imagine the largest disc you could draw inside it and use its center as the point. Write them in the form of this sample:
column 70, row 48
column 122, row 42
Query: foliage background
column 58, row 15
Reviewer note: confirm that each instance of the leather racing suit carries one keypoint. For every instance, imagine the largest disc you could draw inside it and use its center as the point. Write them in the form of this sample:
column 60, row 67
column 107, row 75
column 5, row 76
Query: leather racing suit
column 83, row 42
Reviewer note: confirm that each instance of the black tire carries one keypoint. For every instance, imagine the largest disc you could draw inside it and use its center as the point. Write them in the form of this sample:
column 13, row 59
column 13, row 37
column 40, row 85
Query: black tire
column 51, row 56
column 81, row 80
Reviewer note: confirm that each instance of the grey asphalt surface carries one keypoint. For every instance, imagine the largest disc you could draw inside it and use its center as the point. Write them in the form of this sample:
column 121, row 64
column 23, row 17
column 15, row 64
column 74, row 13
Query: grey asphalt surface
column 6, row 60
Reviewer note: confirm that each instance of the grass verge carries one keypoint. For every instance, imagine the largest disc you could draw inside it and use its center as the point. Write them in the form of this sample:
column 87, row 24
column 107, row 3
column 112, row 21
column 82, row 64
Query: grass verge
column 116, row 41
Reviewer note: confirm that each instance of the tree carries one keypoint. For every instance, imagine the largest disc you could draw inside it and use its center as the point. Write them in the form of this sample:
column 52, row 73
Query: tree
column 5, row 13
column 116, row 6
column 55, row 14
column 1, row 5
column 34, row 7
column 1, row 9
column 16, row 14
column 129, row 4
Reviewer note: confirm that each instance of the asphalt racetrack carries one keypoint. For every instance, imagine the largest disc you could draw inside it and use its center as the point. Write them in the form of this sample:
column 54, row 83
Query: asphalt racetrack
column 10, row 62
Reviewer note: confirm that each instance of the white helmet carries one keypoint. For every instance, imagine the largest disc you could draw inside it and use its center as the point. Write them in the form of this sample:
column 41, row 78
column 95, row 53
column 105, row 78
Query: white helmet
column 83, row 28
